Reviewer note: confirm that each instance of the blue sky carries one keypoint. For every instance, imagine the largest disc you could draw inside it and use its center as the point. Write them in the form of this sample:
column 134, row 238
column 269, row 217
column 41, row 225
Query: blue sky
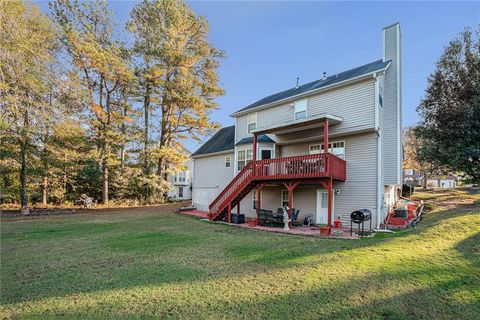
column 269, row 44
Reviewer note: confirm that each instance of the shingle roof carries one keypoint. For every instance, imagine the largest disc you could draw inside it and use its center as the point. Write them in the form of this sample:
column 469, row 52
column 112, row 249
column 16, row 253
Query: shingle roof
column 260, row 138
column 223, row 140
column 343, row 76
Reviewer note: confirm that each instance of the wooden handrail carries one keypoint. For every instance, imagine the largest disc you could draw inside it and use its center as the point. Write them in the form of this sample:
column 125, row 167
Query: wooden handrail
column 245, row 174
column 296, row 167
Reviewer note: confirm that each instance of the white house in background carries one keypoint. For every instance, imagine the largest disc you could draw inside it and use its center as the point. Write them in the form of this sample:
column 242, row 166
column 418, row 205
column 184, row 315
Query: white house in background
column 442, row 182
column 181, row 182
column 276, row 154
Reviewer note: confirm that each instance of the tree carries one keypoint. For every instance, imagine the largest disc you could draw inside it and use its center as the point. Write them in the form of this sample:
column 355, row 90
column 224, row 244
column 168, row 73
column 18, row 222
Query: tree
column 27, row 50
column 412, row 160
column 100, row 60
column 450, row 127
column 178, row 76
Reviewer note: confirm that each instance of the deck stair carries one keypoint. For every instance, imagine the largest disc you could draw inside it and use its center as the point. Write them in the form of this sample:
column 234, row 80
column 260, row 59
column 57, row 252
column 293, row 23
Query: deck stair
column 306, row 167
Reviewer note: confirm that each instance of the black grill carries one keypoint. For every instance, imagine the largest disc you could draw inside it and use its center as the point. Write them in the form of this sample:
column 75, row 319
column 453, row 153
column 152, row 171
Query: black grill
column 362, row 215
column 359, row 217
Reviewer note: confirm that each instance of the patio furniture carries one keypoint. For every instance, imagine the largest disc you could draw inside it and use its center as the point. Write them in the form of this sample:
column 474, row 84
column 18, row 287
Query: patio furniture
column 265, row 217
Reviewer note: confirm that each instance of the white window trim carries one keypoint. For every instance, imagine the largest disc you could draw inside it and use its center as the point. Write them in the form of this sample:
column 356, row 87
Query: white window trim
column 246, row 157
column 329, row 142
column 253, row 198
column 295, row 108
column 229, row 161
column 183, row 192
column 249, row 123
column 281, row 197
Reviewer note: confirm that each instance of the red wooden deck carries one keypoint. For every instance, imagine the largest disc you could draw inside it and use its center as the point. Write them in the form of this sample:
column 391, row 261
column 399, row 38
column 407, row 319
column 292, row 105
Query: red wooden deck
column 306, row 167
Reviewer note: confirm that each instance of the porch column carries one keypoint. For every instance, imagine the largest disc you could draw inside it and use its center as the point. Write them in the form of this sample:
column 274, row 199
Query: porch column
column 254, row 147
column 229, row 213
column 330, row 194
column 325, row 136
column 325, row 148
column 290, row 187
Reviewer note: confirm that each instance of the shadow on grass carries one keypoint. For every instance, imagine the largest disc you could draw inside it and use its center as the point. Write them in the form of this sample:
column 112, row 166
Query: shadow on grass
column 191, row 250
column 392, row 294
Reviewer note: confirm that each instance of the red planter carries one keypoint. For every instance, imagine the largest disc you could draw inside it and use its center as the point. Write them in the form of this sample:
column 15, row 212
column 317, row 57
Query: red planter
column 337, row 223
column 325, row 231
column 252, row 222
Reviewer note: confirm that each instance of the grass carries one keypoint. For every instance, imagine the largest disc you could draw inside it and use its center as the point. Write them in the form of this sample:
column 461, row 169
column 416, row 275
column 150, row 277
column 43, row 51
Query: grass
column 146, row 263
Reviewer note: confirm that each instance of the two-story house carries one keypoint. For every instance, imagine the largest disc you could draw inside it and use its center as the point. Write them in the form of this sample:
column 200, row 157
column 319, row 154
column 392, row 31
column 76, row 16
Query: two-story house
column 325, row 148
column 181, row 182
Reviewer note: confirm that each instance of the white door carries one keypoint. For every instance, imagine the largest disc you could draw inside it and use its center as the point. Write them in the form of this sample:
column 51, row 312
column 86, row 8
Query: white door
column 322, row 206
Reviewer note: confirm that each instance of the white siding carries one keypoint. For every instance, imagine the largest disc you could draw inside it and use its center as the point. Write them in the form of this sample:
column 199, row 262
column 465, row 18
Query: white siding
column 210, row 178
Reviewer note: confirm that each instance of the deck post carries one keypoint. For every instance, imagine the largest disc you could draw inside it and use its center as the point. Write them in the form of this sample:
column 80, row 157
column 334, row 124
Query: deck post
column 229, row 212
column 254, row 147
column 325, row 137
column 325, row 148
column 290, row 187
column 330, row 193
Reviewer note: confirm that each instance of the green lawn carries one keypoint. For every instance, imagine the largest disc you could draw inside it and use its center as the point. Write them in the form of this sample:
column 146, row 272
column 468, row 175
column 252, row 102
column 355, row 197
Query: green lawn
column 146, row 263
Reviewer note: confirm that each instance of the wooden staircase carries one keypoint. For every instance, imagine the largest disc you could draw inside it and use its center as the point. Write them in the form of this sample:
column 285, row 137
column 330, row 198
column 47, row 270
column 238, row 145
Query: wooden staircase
column 233, row 193
column 286, row 169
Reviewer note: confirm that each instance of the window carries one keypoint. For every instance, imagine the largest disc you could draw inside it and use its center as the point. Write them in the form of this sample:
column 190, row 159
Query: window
column 300, row 109
column 244, row 157
column 228, row 161
column 255, row 199
column 337, row 148
column 380, row 93
column 180, row 192
column 285, row 198
column 252, row 122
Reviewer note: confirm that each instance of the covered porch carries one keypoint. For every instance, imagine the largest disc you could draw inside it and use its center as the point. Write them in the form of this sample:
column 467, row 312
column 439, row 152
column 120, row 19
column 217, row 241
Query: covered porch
column 289, row 172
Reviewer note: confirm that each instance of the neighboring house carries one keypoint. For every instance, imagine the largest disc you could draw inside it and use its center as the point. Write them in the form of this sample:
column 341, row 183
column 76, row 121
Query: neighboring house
column 181, row 182
column 412, row 177
column 442, row 182
column 275, row 153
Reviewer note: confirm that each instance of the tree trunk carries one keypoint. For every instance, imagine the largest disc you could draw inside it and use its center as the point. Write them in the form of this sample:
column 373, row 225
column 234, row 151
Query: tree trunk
column 124, row 133
column 146, row 110
column 106, row 150
column 163, row 138
column 424, row 181
column 23, row 163
column 44, row 190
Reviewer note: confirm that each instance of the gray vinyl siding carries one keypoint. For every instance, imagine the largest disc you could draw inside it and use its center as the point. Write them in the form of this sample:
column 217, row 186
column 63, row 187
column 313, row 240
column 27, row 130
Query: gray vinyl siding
column 392, row 106
column 210, row 177
column 354, row 102
column 360, row 189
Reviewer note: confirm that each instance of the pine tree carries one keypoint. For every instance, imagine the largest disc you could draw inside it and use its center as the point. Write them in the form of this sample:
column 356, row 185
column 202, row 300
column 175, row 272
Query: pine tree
column 100, row 61
column 178, row 76
column 27, row 50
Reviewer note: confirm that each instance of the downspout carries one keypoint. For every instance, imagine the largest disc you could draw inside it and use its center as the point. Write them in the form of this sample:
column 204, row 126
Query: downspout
column 379, row 153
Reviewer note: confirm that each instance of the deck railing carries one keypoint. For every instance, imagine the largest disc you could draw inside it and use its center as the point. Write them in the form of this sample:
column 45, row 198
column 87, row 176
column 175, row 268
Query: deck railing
column 297, row 167
column 242, row 178
column 306, row 166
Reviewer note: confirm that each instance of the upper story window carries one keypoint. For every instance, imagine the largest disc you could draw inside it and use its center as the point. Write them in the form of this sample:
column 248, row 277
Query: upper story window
column 244, row 157
column 228, row 161
column 337, row 148
column 181, row 176
column 300, row 111
column 252, row 122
